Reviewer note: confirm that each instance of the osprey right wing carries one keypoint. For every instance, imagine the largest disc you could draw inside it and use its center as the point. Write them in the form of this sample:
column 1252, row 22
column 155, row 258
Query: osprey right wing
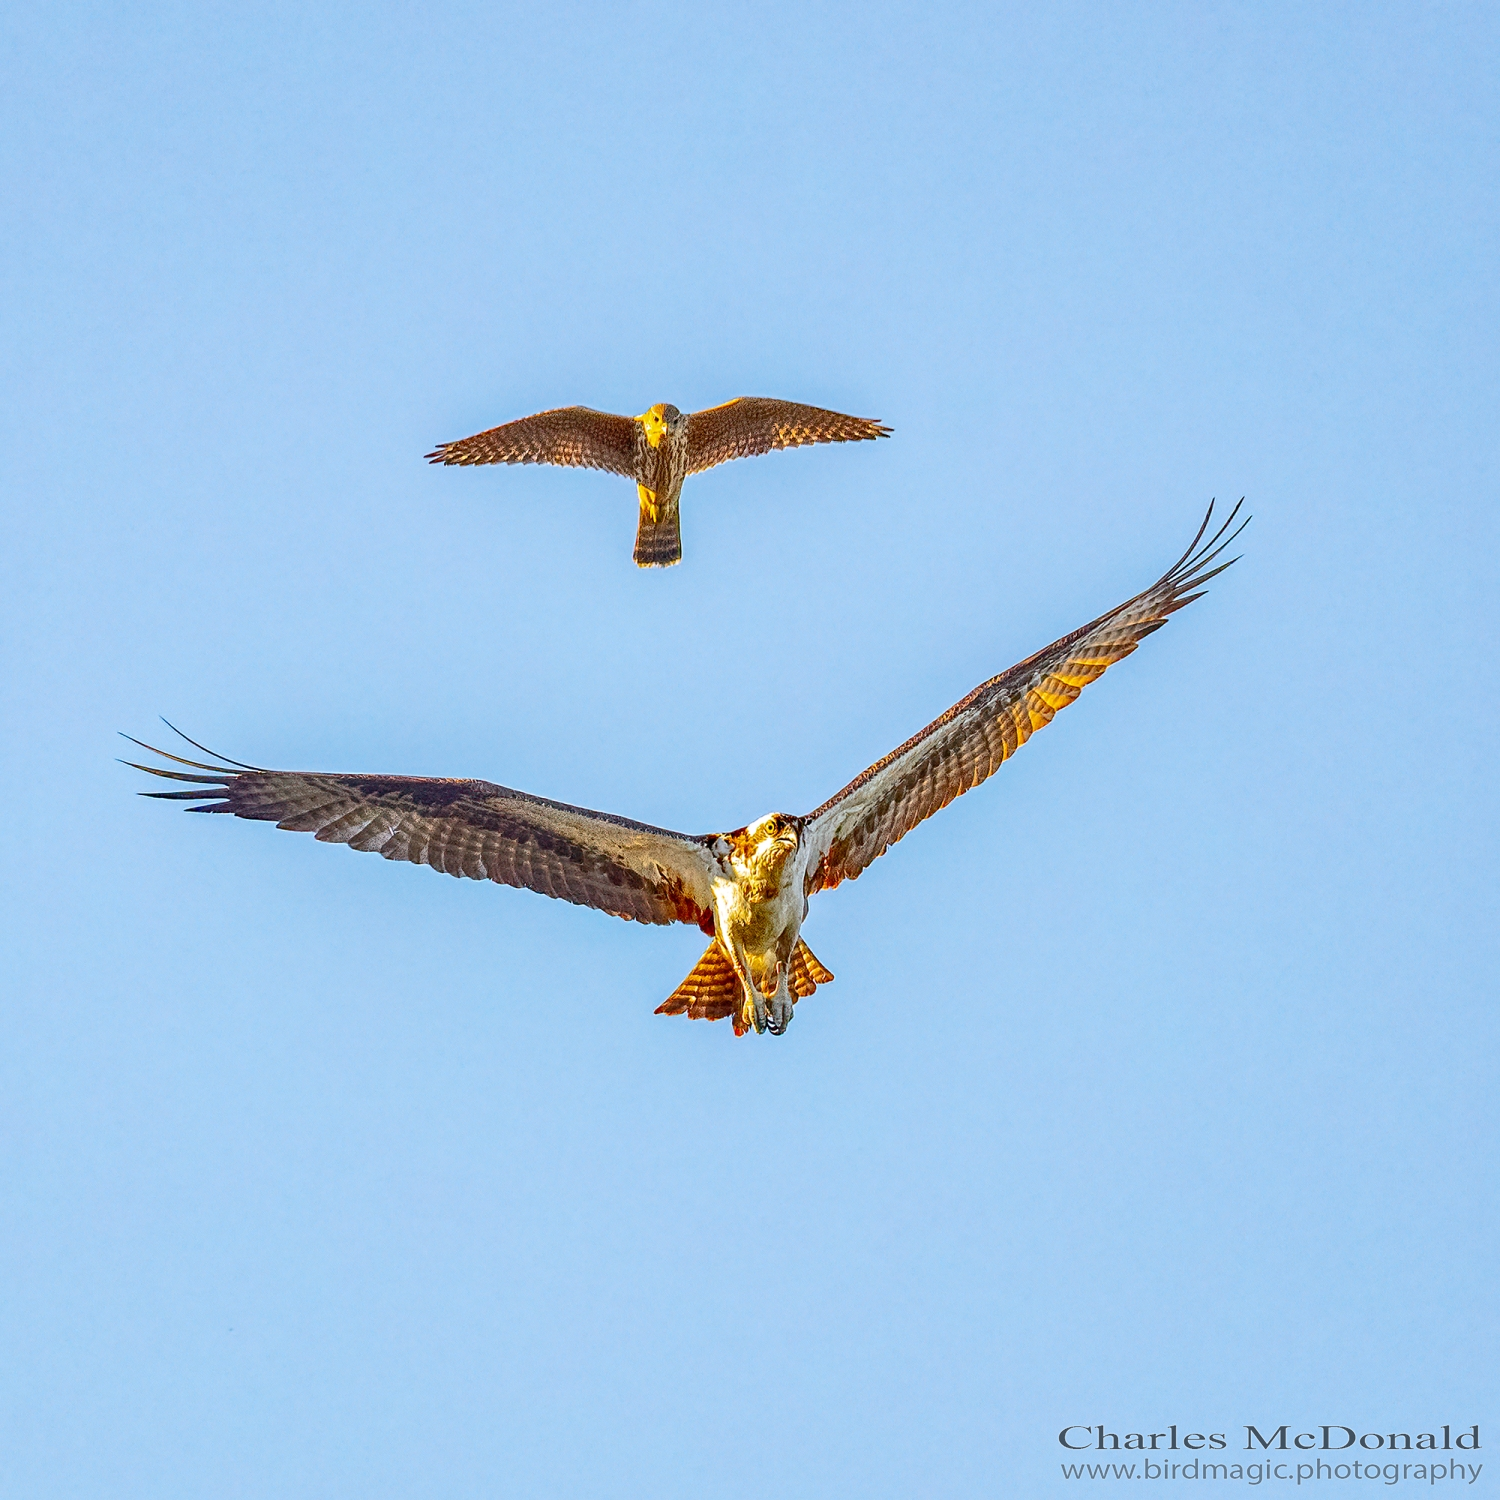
column 968, row 743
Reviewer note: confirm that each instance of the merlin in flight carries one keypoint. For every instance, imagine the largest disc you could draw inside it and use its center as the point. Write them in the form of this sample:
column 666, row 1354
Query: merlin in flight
column 748, row 888
column 658, row 449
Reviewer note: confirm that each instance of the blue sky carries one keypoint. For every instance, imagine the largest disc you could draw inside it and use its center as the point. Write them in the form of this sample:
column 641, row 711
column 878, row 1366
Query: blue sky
column 1157, row 1084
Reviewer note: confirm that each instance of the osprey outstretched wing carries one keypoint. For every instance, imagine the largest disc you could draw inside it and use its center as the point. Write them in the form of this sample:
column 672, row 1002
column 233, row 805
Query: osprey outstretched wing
column 747, row 888
column 966, row 745
column 472, row 828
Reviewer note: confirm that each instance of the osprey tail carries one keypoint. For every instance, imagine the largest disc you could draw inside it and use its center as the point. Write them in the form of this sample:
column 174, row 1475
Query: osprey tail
column 658, row 538
column 712, row 990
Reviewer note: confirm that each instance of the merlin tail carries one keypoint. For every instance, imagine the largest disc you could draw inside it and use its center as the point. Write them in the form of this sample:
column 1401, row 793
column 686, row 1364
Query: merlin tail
column 658, row 538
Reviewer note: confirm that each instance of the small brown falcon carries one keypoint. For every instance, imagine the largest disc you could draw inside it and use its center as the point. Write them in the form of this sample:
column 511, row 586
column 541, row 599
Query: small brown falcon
column 748, row 889
column 658, row 449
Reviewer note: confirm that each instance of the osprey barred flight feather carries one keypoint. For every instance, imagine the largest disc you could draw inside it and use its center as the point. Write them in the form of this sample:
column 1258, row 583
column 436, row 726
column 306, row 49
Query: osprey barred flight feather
column 658, row 449
column 748, row 888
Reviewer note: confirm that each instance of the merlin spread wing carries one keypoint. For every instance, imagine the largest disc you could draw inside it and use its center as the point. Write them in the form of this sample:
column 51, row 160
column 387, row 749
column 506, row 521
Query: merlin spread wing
column 573, row 435
column 472, row 828
column 757, row 424
column 969, row 742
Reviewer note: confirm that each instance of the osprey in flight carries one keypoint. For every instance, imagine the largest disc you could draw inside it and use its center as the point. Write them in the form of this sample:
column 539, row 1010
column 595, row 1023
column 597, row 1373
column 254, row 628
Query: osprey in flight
column 748, row 889
column 657, row 449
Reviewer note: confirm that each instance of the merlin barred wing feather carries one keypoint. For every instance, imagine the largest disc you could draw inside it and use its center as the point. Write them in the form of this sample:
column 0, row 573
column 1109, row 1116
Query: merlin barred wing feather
column 759, row 424
column 575, row 436
column 969, row 743
column 470, row 828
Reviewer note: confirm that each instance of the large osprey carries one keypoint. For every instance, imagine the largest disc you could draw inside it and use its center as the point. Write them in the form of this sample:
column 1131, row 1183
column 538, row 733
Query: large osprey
column 748, row 888
column 658, row 449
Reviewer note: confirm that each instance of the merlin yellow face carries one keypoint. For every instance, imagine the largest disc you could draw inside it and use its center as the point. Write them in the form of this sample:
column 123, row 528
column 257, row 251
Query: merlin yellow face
column 655, row 422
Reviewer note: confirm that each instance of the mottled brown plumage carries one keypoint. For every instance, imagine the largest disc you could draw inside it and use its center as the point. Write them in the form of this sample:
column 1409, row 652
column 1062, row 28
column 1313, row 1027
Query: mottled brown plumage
column 658, row 449
column 747, row 888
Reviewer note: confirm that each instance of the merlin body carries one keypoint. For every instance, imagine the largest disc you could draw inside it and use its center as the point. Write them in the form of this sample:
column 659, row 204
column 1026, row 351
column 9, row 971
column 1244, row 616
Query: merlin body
column 661, row 459
column 658, row 449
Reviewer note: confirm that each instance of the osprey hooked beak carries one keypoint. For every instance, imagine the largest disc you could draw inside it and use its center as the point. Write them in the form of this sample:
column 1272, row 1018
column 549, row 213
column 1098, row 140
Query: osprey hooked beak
column 775, row 837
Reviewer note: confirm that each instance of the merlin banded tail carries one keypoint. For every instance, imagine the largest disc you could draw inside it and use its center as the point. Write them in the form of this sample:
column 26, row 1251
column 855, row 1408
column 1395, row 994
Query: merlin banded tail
column 658, row 449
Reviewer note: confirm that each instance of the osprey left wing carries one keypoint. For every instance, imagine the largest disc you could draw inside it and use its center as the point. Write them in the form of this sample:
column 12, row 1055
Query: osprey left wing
column 469, row 828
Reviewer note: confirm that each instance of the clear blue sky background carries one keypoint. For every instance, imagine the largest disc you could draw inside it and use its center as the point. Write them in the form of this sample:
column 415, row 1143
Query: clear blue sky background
column 1157, row 1083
